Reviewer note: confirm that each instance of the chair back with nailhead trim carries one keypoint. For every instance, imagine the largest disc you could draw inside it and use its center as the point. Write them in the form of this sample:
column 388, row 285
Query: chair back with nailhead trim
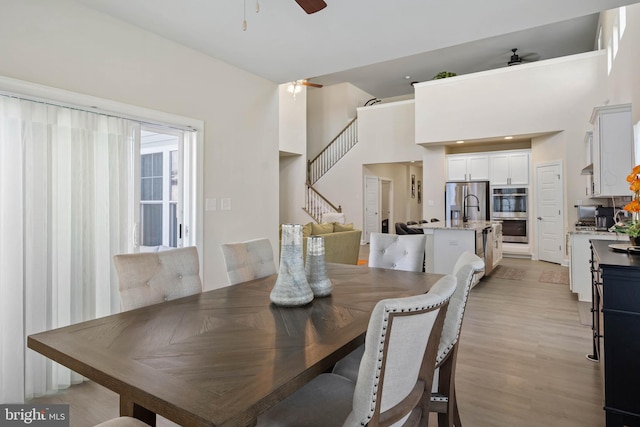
column 399, row 358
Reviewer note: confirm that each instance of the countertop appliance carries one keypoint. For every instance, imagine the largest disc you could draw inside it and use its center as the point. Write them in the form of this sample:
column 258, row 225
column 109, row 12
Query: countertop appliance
column 586, row 216
column 604, row 217
column 594, row 217
column 470, row 199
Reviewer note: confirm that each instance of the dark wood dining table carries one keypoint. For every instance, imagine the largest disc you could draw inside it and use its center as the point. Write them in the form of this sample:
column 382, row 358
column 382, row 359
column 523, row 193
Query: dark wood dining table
column 223, row 357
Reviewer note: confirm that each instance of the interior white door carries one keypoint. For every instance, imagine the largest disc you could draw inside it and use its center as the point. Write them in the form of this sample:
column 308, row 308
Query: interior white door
column 549, row 213
column 385, row 204
column 371, row 206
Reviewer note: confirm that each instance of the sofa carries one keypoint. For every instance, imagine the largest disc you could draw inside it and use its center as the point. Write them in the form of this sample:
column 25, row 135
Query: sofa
column 341, row 241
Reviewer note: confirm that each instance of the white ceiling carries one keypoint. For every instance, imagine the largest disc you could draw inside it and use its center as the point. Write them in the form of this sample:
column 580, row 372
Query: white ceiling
column 373, row 44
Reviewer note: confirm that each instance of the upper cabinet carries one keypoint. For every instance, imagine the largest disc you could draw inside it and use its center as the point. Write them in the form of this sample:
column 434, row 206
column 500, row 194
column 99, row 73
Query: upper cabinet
column 509, row 168
column 612, row 152
column 472, row 167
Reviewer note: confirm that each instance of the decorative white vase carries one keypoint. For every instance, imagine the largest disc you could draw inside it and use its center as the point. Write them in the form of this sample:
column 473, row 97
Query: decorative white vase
column 316, row 268
column 291, row 288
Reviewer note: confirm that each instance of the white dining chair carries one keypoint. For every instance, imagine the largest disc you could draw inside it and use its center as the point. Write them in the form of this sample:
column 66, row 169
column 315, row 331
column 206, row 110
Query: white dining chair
column 399, row 252
column 443, row 395
column 397, row 367
column 248, row 260
column 123, row 422
column 443, row 398
column 154, row 277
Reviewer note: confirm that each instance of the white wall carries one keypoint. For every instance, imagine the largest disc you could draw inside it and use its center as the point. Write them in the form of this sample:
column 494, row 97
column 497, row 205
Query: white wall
column 292, row 119
column 553, row 99
column 64, row 45
column 404, row 207
column 386, row 135
column 623, row 84
column 433, row 182
column 329, row 110
column 293, row 155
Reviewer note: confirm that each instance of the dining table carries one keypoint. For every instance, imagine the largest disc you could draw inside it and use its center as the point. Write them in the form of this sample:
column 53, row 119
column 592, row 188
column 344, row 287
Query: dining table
column 224, row 356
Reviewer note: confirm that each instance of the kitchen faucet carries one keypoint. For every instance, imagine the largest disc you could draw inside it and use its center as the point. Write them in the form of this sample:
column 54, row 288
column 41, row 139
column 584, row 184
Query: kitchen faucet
column 465, row 206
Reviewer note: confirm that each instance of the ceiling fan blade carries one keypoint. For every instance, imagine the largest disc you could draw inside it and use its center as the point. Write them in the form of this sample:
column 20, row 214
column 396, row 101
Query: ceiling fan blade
column 306, row 83
column 312, row 6
column 530, row 57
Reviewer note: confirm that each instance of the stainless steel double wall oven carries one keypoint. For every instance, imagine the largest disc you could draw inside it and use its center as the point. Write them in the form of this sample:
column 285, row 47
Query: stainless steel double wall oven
column 510, row 205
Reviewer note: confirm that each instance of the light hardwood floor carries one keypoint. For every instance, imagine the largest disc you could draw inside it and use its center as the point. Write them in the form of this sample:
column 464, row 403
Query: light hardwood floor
column 521, row 361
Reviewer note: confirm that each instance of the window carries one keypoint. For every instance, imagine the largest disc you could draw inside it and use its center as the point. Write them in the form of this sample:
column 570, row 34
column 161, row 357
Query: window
column 622, row 16
column 159, row 188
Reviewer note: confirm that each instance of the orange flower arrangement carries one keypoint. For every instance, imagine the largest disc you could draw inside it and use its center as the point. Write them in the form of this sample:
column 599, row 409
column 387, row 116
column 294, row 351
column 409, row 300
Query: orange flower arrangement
column 634, row 185
column 631, row 228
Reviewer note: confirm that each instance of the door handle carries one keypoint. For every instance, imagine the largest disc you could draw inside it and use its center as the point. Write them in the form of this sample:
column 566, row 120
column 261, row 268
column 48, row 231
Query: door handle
column 539, row 218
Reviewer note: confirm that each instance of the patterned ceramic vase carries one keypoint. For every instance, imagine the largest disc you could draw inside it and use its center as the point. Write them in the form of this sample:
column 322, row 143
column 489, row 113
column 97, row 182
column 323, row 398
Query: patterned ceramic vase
column 316, row 268
column 291, row 288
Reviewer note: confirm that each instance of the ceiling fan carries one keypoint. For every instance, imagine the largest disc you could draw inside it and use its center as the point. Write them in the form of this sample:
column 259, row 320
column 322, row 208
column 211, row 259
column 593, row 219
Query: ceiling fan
column 305, row 82
column 311, row 6
column 519, row 59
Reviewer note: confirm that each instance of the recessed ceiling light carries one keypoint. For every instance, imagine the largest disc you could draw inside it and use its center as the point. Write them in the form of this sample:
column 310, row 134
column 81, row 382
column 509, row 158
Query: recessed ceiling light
column 407, row 77
column 460, row 142
column 508, row 137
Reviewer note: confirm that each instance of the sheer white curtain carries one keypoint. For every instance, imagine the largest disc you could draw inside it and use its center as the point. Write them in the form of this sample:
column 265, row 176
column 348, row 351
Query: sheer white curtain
column 66, row 207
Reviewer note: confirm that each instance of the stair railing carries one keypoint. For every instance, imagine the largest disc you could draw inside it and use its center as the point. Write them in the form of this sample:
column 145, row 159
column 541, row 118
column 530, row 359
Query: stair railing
column 316, row 204
column 338, row 147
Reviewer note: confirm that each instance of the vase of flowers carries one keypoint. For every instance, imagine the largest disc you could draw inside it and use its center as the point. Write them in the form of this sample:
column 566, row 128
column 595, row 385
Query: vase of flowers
column 631, row 227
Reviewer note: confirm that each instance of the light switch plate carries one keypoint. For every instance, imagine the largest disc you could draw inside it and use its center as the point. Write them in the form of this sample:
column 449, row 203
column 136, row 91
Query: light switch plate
column 211, row 204
column 226, row 204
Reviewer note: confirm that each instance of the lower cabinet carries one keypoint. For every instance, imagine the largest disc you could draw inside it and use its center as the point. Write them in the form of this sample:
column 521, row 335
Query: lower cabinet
column 579, row 260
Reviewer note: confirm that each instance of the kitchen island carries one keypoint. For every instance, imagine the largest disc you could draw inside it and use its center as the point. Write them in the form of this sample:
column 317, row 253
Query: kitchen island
column 446, row 241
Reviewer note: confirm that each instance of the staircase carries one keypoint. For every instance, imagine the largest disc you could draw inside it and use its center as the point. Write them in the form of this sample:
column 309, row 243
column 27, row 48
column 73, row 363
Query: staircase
column 315, row 203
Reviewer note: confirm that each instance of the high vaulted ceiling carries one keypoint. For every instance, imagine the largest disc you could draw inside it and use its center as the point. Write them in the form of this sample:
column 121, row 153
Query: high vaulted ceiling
column 374, row 44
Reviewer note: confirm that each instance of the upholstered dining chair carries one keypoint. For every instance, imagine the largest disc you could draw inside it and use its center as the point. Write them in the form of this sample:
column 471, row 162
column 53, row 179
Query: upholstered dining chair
column 123, row 422
column 443, row 398
column 154, row 277
column 248, row 260
column 400, row 252
column 443, row 394
column 396, row 370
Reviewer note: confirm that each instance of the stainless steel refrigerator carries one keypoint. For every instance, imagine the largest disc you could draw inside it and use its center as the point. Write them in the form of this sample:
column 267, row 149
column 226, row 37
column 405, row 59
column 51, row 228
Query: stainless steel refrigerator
column 470, row 200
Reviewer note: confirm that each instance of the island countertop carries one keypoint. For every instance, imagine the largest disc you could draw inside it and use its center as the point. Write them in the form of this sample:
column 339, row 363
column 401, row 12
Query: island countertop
column 454, row 225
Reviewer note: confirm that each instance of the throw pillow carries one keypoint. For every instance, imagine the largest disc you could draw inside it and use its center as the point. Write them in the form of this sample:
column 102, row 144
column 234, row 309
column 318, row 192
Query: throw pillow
column 307, row 229
column 342, row 227
column 323, row 228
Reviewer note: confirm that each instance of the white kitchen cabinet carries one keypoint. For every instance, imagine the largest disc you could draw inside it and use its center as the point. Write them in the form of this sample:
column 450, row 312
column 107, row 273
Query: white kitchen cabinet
column 467, row 167
column 588, row 170
column 612, row 155
column 509, row 168
column 580, row 257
